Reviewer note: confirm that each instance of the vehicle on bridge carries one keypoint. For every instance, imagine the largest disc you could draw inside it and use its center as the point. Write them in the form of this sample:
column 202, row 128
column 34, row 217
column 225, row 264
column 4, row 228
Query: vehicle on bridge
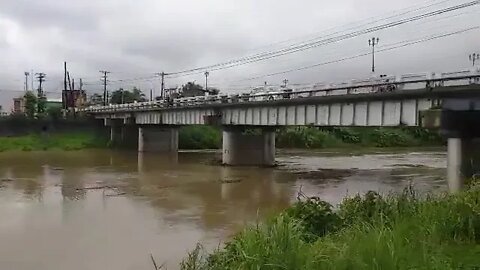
column 269, row 93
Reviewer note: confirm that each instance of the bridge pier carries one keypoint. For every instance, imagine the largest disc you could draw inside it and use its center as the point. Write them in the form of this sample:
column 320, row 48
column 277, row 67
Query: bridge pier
column 241, row 148
column 460, row 125
column 153, row 138
column 463, row 161
column 122, row 133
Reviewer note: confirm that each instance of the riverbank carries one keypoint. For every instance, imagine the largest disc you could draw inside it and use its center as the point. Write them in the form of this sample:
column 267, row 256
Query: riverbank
column 67, row 141
column 371, row 232
column 207, row 137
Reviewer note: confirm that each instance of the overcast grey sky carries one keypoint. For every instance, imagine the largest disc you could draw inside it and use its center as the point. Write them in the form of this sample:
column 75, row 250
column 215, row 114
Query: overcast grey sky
column 137, row 38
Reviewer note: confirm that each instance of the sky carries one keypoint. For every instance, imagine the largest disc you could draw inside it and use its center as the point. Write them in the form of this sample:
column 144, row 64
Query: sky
column 134, row 39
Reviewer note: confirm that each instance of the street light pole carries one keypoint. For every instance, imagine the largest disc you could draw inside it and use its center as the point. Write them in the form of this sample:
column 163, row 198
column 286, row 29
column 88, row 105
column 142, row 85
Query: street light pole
column 206, row 80
column 373, row 42
column 26, row 80
column 474, row 57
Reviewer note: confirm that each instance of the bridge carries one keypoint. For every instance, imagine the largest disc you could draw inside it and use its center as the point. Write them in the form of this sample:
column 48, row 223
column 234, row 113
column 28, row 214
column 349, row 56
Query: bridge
column 407, row 100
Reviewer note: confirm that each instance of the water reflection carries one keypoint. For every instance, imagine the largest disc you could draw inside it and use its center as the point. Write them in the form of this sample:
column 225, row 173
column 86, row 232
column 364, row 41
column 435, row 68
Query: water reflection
column 109, row 210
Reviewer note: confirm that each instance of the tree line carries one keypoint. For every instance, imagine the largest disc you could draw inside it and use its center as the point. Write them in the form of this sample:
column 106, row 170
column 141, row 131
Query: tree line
column 122, row 96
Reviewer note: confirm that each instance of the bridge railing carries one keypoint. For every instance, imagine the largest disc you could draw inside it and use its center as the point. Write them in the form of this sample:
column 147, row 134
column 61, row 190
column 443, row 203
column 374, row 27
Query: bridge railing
column 375, row 85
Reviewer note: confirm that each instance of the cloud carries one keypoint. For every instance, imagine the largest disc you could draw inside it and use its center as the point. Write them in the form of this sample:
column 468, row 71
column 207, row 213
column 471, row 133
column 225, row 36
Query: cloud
column 137, row 38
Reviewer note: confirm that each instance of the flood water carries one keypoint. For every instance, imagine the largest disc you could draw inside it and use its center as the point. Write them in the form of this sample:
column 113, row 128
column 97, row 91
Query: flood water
column 111, row 210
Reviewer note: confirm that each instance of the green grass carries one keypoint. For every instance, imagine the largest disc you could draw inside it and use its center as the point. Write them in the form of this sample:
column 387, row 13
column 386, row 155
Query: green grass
column 58, row 141
column 207, row 137
column 311, row 137
column 400, row 231
column 199, row 137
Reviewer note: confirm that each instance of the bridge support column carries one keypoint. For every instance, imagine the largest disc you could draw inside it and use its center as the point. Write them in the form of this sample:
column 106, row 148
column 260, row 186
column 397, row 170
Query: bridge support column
column 116, row 133
column 460, row 124
column 157, row 139
column 463, row 162
column 243, row 149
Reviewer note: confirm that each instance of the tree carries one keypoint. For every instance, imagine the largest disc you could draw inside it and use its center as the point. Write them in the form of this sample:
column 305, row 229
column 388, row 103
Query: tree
column 30, row 104
column 191, row 89
column 41, row 104
column 213, row 91
column 122, row 96
column 138, row 95
column 96, row 99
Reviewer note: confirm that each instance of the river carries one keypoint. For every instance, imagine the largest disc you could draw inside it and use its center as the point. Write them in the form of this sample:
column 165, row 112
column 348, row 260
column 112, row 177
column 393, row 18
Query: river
column 111, row 210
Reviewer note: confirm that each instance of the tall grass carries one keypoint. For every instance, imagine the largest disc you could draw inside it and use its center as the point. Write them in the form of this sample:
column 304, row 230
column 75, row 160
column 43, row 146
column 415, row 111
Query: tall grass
column 61, row 141
column 199, row 137
column 206, row 137
column 371, row 232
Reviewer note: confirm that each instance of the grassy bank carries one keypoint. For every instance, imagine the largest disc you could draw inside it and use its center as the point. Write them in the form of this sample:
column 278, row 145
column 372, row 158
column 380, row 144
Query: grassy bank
column 206, row 137
column 370, row 232
column 57, row 141
column 199, row 137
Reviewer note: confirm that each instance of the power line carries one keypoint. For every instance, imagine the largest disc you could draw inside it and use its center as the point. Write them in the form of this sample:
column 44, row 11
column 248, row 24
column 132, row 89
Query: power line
column 308, row 44
column 368, row 21
column 321, row 42
column 405, row 44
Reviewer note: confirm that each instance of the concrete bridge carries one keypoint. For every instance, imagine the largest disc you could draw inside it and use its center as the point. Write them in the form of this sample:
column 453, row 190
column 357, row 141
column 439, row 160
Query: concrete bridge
column 387, row 101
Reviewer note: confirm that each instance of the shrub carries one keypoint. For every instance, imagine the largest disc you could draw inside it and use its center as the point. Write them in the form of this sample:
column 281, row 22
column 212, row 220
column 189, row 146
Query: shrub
column 315, row 216
column 390, row 138
column 347, row 135
column 399, row 231
column 199, row 137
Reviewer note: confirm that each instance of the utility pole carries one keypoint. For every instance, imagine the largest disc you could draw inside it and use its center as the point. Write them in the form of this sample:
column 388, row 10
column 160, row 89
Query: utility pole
column 26, row 80
column 104, row 80
column 285, row 83
column 162, row 89
column 31, row 79
column 41, row 78
column 41, row 97
column 206, row 80
column 474, row 57
column 64, row 94
column 65, row 76
column 373, row 42
column 162, row 85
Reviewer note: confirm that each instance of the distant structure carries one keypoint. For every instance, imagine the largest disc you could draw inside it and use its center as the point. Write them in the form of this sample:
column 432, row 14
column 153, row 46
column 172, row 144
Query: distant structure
column 73, row 99
column 2, row 113
column 53, row 103
column 19, row 105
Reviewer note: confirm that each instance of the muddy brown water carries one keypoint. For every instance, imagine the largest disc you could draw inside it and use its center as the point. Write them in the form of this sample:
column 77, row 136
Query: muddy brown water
column 111, row 210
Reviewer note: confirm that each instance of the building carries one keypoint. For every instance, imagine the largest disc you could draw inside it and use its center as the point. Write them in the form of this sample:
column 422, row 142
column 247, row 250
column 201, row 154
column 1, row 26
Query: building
column 74, row 98
column 19, row 105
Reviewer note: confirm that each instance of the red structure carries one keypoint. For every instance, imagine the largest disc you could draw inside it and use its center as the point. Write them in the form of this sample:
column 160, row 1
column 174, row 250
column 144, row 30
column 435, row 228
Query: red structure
column 73, row 98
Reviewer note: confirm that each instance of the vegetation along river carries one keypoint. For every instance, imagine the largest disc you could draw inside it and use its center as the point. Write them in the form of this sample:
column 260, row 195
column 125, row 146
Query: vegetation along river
column 101, row 209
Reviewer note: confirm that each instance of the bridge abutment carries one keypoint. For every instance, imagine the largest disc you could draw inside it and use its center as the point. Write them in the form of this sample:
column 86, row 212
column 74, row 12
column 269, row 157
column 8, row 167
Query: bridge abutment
column 159, row 139
column 243, row 148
